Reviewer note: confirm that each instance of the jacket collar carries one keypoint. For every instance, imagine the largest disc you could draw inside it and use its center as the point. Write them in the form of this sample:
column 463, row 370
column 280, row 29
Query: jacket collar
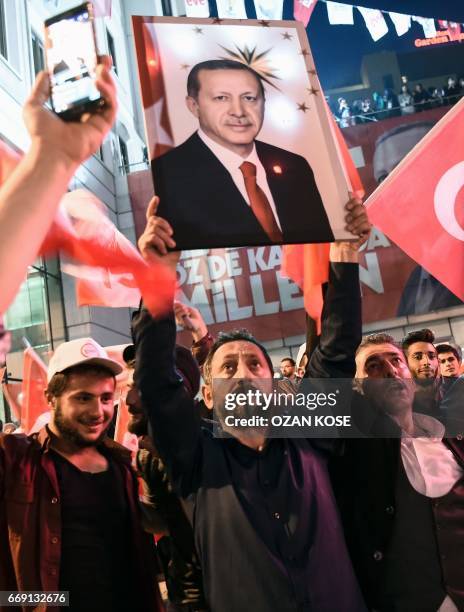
column 46, row 439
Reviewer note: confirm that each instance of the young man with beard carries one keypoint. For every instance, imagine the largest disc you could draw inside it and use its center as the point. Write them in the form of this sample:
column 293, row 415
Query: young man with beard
column 69, row 516
column 422, row 359
column 265, row 523
column 401, row 491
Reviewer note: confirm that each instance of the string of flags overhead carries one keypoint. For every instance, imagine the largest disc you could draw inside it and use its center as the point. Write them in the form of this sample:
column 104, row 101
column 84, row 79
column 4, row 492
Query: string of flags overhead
column 337, row 13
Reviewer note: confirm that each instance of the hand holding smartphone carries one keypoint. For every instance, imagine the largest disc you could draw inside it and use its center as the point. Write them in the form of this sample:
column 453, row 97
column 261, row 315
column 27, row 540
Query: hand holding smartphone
column 72, row 58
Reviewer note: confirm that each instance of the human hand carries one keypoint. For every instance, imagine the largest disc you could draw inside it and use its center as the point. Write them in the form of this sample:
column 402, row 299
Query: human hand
column 73, row 141
column 357, row 222
column 190, row 319
column 156, row 238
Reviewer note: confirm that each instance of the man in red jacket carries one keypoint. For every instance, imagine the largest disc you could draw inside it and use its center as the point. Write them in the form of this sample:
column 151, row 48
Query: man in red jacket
column 69, row 515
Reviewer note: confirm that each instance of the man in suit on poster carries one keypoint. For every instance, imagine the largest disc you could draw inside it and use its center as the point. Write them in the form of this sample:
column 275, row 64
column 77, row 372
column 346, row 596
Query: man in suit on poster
column 221, row 187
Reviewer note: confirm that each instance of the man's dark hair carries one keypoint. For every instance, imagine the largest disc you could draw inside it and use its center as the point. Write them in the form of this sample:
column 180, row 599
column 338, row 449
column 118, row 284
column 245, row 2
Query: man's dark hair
column 232, row 336
column 380, row 338
column 420, row 335
column 449, row 348
column 193, row 83
column 60, row 380
column 292, row 361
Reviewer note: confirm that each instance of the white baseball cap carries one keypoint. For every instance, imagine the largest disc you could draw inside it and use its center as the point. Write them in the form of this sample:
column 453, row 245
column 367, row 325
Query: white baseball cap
column 75, row 352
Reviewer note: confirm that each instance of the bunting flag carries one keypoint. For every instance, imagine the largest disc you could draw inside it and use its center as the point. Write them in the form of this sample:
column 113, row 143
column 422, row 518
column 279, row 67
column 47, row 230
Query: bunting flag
column 303, row 9
column 83, row 232
column 339, row 14
column 428, row 25
column 269, row 9
column 401, row 22
column 231, row 9
column 102, row 8
column 197, row 8
column 451, row 28
column 454, row 31
column 375, row 22
column 34, row 402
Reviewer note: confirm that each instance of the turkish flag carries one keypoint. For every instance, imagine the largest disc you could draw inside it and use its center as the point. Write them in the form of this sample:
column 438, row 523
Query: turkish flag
column 83, row 232
column 420, row 205
column 34, row 384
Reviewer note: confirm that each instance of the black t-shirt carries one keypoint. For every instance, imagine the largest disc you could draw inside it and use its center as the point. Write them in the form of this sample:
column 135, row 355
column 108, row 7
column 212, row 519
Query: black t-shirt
column 96, row 565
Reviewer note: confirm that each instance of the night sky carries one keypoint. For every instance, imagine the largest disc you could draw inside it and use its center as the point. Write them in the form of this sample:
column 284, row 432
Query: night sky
column 338, row 50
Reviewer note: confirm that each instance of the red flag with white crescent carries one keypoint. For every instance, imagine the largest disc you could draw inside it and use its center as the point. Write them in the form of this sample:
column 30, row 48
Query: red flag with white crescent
column 420, row 205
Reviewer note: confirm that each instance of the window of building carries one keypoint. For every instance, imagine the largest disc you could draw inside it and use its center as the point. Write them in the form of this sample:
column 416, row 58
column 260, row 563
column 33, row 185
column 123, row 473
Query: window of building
column 124, row 154
column 38, row 55
column 99, row 154
column 167, row 8
column 112, row 50
column 36, row 314
column 3, row 39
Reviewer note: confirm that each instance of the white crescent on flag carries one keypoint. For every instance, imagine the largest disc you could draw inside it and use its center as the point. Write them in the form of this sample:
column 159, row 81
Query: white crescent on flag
column 445, row 197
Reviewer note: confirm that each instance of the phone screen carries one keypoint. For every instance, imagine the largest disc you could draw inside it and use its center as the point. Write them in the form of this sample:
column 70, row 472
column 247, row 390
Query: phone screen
column 71, row 60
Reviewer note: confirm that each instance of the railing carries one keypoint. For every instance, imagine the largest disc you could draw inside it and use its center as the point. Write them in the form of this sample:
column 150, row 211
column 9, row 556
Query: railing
column 396, row 111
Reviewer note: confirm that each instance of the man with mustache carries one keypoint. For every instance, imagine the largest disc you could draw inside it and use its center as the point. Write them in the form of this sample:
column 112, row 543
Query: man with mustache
column 222, row 187
column 69, row 516
column 266, row 528
column 400, row 491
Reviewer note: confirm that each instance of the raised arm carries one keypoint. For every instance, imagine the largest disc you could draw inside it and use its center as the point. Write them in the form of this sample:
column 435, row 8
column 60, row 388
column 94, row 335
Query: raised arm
column 174, row 420
column 341, row 315
column 31, row 194
column 190, row 319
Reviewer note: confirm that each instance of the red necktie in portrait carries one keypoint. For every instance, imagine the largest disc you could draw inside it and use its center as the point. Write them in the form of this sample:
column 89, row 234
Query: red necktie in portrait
column 259, row 203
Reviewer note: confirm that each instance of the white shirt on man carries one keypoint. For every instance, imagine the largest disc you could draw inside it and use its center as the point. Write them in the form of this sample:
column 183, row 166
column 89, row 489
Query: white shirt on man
column 430, row 466
column 232, row 162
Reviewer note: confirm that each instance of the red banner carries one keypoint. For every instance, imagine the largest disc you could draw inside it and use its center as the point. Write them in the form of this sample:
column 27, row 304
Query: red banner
column 246, row 290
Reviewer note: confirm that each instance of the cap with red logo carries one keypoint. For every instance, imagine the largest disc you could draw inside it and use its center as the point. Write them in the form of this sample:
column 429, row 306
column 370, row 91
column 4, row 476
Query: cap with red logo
column 76, row 352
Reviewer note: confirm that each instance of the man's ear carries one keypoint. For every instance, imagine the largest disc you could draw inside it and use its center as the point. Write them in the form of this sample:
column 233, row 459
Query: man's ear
column 207, row 394
column 192, row 105
column 50, row 400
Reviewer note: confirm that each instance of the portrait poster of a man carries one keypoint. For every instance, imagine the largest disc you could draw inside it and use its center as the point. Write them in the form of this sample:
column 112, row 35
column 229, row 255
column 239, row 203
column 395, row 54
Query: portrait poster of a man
column 240, row 143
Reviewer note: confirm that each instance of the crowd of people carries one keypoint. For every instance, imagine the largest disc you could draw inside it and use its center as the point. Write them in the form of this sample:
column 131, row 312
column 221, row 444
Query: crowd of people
column 394, row 104
column 231, row 518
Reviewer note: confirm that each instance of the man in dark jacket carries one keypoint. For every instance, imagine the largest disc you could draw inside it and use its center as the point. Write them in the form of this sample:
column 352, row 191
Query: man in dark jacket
column 401, row 491
column 266, row 527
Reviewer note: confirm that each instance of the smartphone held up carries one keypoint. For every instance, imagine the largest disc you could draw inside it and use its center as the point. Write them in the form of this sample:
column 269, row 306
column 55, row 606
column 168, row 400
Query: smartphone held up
column 72, row 58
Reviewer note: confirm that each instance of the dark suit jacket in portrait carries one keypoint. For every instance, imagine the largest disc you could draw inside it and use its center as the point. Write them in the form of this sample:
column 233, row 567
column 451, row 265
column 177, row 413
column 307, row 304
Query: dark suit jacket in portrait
column 206, row 210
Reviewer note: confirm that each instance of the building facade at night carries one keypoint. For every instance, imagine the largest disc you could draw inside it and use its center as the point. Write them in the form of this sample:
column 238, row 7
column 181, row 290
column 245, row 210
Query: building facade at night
column 45, row 312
